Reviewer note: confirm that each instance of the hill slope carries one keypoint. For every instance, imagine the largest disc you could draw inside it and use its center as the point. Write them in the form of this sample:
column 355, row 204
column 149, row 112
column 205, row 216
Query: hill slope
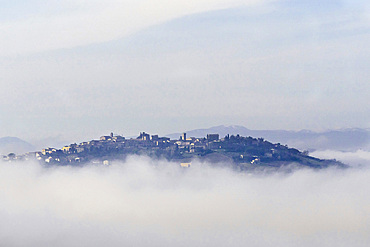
column 344, row 139
column 14, row 145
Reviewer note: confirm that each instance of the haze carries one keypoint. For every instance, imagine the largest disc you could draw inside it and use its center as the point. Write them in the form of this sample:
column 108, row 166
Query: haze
column 155, row 203
column 72, row 71
column 80, row 69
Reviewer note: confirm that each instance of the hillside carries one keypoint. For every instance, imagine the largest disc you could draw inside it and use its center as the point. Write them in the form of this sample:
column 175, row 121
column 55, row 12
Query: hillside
column 343, row 139
column 14, row 145
column 239, row 152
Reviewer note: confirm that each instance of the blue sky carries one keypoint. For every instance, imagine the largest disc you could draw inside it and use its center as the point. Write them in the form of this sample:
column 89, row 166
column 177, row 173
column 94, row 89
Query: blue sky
column 80, row 69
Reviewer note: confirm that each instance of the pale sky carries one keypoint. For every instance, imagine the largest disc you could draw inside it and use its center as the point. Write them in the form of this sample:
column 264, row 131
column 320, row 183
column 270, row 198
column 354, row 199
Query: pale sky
column 36, row 25
column 80, row 69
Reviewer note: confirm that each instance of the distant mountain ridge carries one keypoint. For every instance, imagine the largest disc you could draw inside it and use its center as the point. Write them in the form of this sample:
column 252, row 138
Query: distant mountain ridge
column 342, row 139
column 14, row 145
column 350, row 139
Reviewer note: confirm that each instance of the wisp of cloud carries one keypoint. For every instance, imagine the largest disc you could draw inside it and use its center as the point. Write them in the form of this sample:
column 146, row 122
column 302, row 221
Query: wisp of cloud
column 359, row 157
column 141, row 202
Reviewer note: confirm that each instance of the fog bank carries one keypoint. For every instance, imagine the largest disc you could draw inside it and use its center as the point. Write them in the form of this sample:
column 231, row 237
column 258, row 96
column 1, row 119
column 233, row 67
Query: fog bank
column 155, row 203
column 358, row 158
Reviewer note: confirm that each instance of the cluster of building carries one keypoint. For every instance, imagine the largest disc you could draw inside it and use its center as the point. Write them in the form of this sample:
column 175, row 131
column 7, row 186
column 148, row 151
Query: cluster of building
column 96, row 150
column 236, row 149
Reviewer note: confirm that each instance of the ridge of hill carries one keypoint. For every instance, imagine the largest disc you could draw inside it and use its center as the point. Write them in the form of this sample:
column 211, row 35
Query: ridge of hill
column 14, row 145
column 241, row 153
column 349, row 139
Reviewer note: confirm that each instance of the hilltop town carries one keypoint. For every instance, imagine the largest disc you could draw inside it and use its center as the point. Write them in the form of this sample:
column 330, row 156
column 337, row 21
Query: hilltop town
column 241, row 152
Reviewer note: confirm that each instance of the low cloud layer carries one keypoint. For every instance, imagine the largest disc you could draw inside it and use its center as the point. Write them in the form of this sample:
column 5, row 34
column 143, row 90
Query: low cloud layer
column 150, row 203
column 356, row 158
